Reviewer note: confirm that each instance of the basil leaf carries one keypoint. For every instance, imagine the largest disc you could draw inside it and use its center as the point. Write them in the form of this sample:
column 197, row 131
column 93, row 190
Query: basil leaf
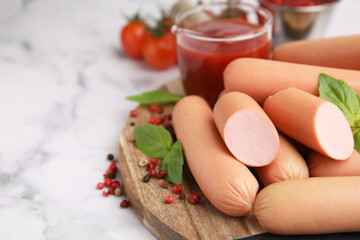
column 339, row 93
column 155, row 97
column 155, row 141
column 356, row 134
column 173, row 163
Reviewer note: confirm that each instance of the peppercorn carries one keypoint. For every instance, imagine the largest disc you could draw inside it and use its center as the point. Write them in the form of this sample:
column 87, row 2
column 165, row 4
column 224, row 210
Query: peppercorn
column 108, row 182
column 182, row 196
column 158, row 121
column 194, row 198
column 133, row 113
column 105, row 194
column 113, row 167
column 151, row 120
column 167, row 125
column 164, row 184
column 161, row 174
column 153, row 108
column 177, row 189
column 146, row 178
column 169, row 199
column 160, row 110
column 115, row 184
column 110, row 191
column 110, row 157
column 132, row 124
column 100, row 185
column 154, row 161
column 124, row 203
column 132, row 139
column 112, row 175
column 150, row 167
column 152, row 173
column 118, row 192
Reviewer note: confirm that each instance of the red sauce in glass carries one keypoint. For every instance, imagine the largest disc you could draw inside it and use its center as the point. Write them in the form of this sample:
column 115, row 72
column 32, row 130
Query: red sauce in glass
column 202, row 62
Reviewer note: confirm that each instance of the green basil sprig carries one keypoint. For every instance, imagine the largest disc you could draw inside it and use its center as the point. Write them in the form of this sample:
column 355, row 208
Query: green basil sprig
column 339, row 93
column 155, row 97
column 155, row 141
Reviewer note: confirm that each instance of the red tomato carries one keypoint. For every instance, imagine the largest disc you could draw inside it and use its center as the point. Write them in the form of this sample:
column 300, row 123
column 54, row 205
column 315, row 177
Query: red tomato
column 160, row 52
column 132, row 38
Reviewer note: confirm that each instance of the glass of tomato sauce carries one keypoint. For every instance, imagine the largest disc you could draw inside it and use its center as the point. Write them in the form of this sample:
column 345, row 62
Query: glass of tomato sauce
column 210, row 36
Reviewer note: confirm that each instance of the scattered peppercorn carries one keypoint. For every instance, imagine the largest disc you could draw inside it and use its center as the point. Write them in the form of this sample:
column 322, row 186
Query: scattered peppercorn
column 182, row 196
column 110, row 191
column 124, row 203
column 105, row 194
column 150, row 167
column 118, row 192
column 154, row 161
column 112, row 175
column 161, row 174
column 115, row 184
column 177, row 189
column 160, row 110
column 194, row 198
column 152, row 173
column 110, row 157
column 113, row 167
column 158, row 121
column 146, row 178
column 167, row 125
column 143, row 162
column 169, row 199
column 164, row 184
column 132, row 124
column 153, row 108
column 108, row 182
column 100, row 185
column 151, row 120
column 133, row 113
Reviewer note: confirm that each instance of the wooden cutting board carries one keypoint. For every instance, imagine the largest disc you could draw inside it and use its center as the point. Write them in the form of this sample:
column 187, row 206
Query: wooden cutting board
column 179, row 220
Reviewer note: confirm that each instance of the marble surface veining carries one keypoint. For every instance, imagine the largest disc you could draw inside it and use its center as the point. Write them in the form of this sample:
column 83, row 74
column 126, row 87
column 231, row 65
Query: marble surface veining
column 63, row 82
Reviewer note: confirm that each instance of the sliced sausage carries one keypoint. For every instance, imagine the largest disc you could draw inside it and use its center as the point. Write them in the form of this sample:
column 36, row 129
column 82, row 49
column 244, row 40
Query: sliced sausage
column 287, row 165
column 337, row 52
column 261, row 78
column 310, row 206
column 228, row 184
column 246, row 130
column 316, row 123
column 320, row 165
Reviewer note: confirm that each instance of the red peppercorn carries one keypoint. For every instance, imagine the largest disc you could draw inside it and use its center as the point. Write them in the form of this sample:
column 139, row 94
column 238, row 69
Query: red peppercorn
column 158, row 121
column 115, row 184
column 182, row 196
column 133, row 113
column 153, row 107
column 105, row 194
column 152, row 173
column 161, row 174
column 169, row 199
column 124, row 203
column 110, row 191
column 150, row 166
column 194, row 198
column 167, row 125
column 100, row 185
column 160, row 110
column 113, row 167
column 108, row 182
column 154, row 161
column 151, row 120
column 177, row 189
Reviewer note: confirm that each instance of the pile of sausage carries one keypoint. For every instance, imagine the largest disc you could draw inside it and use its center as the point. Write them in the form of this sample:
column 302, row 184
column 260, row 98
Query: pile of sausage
column 319, row 195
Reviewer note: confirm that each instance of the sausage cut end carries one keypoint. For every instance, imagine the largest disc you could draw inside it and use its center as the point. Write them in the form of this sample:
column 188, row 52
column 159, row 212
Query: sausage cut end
column 251, row 138
column 333, row 131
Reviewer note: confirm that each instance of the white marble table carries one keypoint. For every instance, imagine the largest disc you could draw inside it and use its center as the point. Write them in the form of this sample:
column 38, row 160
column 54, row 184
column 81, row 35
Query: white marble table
column 63, row 82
